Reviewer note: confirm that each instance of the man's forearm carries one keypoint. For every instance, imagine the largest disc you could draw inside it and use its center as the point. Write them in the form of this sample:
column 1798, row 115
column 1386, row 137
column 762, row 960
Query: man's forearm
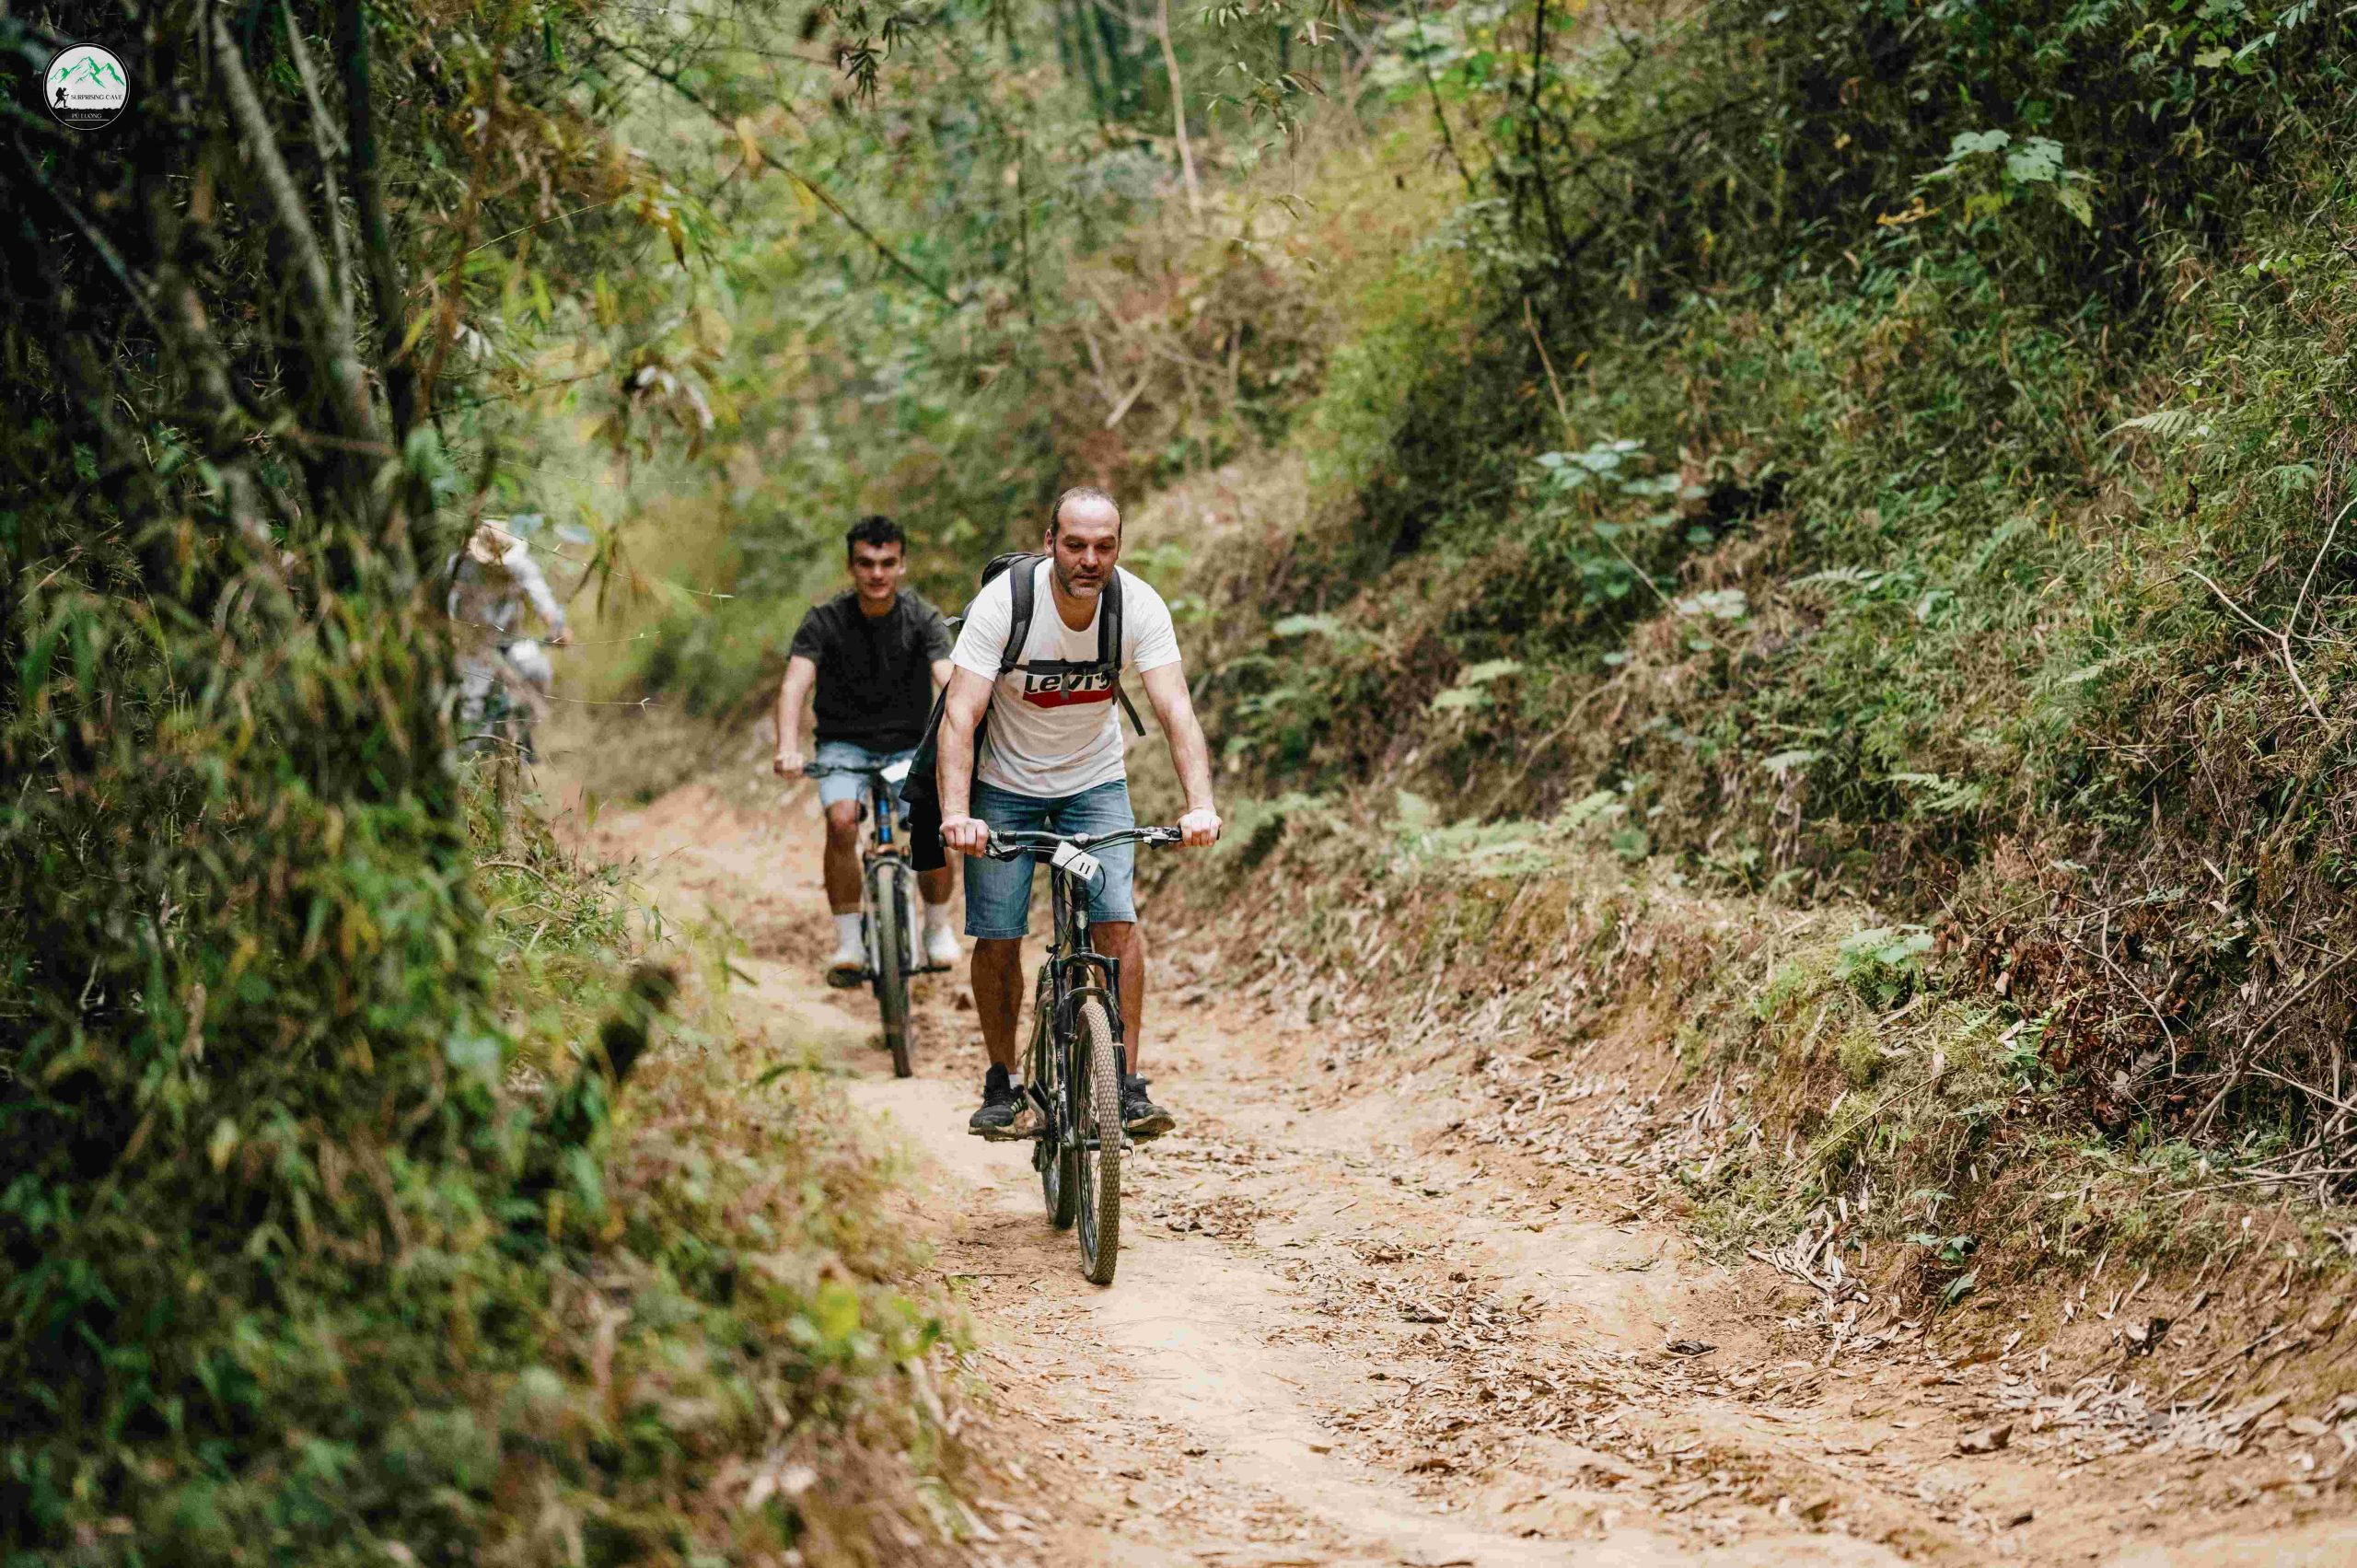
column 789, row 722
column 1191, row 755
column 791, row 693
column 955, row 764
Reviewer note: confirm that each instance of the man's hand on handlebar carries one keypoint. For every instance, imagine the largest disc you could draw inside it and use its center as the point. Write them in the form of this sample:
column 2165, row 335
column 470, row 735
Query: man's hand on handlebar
column 1200, row 827
column 967, row 835
column 788, row 763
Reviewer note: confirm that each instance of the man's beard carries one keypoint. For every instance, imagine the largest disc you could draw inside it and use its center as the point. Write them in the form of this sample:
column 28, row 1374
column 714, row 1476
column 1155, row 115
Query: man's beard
column 1071, row 584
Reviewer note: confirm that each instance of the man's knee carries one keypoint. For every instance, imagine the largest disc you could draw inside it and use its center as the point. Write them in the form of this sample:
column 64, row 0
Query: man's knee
column 843, row 824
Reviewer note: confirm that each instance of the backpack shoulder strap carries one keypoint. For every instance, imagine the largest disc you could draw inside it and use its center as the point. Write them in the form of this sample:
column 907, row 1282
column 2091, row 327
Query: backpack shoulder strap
column 1021, row 580
column 1109, row 626
column 1109, row 649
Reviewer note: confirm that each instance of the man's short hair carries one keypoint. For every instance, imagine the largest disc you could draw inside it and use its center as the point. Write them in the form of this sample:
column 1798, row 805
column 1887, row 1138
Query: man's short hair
column 877, row 531
column 1080, row 493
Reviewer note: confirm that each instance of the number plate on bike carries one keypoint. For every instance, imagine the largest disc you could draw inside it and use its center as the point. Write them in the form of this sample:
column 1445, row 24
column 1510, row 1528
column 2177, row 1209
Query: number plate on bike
column 1079, row 862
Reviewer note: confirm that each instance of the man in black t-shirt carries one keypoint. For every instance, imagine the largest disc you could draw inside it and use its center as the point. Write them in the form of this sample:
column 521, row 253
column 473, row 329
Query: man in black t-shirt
column 874, row 652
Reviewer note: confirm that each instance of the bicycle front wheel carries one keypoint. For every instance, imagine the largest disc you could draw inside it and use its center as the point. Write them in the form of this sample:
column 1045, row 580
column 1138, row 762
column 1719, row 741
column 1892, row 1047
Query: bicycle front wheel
column 1097, row 1115
column 891, row 917
column 1051, row 1154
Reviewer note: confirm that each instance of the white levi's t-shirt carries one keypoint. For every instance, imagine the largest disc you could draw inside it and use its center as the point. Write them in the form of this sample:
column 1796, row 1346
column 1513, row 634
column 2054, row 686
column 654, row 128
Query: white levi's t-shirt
column 1050, row 734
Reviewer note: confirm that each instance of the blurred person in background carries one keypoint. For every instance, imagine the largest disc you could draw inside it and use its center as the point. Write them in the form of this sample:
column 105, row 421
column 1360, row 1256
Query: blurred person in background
column 493, row 580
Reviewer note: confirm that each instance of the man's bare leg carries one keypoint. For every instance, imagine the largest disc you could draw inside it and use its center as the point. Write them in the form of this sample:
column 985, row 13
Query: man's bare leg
column 998, row 995
column 841, row 859
column 1121, row 941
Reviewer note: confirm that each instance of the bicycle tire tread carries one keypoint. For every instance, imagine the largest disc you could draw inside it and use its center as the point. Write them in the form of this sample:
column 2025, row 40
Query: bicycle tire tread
column 892, row 979
column 1103, row 1195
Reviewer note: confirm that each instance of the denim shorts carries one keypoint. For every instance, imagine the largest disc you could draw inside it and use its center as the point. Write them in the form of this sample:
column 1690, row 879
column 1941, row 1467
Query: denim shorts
column 998, row 892
column 836, row 788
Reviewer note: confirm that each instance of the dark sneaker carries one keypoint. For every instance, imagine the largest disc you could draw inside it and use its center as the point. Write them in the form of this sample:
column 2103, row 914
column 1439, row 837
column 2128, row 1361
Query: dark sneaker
column 1001, row 1112
column 1141, row 1118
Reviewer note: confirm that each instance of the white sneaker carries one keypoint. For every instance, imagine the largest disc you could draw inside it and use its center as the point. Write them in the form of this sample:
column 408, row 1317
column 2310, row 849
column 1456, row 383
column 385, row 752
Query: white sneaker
column 941, row 947
column 847, row 968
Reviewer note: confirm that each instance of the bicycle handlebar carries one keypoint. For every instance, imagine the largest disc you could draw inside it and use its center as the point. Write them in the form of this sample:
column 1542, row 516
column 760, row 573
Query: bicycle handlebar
column 822, row 770
column 1006, row 846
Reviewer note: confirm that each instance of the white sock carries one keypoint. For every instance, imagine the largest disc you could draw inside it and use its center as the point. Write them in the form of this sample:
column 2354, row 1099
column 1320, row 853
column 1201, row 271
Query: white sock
column 847, row 933
column 936, row 917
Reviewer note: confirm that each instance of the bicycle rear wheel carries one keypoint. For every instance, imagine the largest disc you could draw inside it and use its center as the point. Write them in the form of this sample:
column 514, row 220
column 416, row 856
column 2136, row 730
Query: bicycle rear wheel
column 889, row 911
column 1050, row 1157
column 1097, row 1112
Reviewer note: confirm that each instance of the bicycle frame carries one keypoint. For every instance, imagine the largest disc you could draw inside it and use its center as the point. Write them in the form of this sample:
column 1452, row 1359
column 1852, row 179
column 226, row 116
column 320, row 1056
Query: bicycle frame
column 1076, row 971
column 885, row 806
column 1073, row 969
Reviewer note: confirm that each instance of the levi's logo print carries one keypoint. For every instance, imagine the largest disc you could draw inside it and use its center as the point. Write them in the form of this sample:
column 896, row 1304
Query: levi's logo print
column 1060, row 683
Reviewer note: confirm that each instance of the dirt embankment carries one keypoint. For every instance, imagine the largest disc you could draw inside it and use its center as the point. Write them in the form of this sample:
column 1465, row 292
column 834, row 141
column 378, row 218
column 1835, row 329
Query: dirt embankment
column 1361, row 1319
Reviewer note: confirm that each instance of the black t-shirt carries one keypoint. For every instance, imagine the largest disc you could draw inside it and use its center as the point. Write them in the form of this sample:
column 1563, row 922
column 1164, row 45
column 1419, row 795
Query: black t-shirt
column 875, row 671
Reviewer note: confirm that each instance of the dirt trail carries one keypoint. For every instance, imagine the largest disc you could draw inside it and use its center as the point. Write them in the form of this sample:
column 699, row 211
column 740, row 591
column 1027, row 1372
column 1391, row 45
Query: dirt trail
column 1334, row 1341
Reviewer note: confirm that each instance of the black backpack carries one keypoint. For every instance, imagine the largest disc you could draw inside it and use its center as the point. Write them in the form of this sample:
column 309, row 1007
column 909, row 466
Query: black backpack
column 921, row 791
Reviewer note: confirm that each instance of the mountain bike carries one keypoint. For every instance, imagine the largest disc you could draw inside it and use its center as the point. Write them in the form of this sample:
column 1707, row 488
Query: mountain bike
column 887, row 905
column 509, row 708
column 1078, row 1055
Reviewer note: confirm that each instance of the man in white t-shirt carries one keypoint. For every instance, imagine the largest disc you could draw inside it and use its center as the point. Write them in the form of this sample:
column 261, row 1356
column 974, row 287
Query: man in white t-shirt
column 1051, row 761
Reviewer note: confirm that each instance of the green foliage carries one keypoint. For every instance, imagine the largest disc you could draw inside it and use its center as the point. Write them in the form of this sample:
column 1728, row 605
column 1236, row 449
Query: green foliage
column 1897, row 445
column 327, row 1238
column 1406, row 329
column 1883, row 963
column 1996, row 175
column 1951, row 1250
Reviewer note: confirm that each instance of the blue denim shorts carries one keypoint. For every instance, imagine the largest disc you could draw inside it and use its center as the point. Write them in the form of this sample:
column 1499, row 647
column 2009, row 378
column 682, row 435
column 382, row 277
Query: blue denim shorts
column 998, row 892
column 835, row 788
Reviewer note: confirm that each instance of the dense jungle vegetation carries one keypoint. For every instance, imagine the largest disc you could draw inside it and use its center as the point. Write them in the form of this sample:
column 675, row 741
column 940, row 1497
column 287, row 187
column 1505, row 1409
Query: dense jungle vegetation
column 1826, row 450
column 1837, row 451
